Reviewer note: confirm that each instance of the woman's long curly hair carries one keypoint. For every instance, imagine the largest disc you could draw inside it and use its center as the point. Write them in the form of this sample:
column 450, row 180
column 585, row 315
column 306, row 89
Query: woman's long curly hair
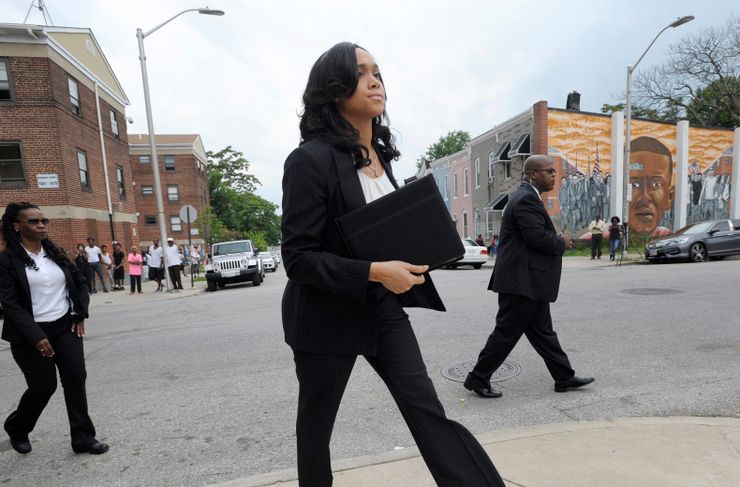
column 333, row 77
column 13, row 239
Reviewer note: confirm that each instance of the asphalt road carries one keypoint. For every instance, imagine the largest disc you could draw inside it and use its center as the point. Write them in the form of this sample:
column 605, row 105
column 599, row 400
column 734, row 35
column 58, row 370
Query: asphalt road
column 200, row 390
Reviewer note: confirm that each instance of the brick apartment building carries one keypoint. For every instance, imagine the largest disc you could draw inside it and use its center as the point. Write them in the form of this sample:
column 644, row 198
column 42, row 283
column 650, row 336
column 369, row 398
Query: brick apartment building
column 55, row 86
column 184, row 177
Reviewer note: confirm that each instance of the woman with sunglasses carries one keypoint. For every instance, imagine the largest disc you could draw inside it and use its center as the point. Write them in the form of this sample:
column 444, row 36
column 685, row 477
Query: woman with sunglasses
column 336, row 307
column 45, row 300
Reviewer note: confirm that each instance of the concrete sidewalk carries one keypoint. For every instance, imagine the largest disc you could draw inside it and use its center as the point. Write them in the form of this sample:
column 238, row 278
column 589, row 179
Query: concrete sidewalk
column 634, row 452
column 114, row 298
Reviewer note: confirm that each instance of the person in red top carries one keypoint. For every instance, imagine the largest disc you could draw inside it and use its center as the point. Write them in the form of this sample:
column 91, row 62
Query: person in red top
column 135, row 265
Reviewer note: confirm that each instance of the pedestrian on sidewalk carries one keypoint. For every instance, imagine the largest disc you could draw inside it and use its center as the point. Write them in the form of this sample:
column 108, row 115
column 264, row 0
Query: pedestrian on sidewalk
column 336, row 307
column 119, row 272
column 135, row 265
column 81, row 262
column 156, row 266
column 107, row 263
column 195, row 261
column 615, row 237
column 174, row 264
column 479, row 241
column 93, row 258
column 597, row 228
column 527, row 278
column 45, row 301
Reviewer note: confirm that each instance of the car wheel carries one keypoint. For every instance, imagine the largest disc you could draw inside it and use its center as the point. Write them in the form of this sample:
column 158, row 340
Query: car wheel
column 256, row 279
column 477, row 266
column 211, row 285
column 698, row 252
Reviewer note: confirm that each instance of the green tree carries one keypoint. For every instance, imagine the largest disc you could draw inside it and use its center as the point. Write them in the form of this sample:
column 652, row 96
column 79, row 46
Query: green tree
column 447, row 144
column 699, row 81
column 234, row 169
column 259, row 240
column 211, row 227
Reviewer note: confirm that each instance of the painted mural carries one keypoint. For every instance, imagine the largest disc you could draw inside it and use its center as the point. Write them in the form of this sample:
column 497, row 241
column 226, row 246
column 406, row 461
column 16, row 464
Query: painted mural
column 580, row 143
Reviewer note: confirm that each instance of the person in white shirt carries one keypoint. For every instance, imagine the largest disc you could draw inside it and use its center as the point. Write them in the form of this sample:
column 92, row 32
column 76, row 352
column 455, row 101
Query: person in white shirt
column 597, row 227
column 45, row 300
column 195, row 260
column 93, row 258
column 107, row 262
column 156, row 267
column 173, row 263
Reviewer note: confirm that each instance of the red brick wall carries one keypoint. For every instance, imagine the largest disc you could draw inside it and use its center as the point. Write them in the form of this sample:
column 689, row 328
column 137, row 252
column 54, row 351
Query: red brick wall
column 192, row 187
column 40, row 117
column 539, row 131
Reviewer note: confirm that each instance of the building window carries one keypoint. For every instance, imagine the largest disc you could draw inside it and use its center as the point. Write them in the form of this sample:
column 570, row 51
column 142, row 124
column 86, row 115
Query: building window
column 11, row 164
column 176, row 224
column 5, row 93
column 147, row 190
column 466, row 186
column 150, row 220
column 144, row 160
column 454, row 178
column 173, row 193
column 74, row 96
column 465, row 224
column 84, row 171
column 476, row 222
column 446, row 185
column 121, row 183
column 491, row 173
column 169, row 163
column 507, row 169
column 476, row 172
column 113, row 122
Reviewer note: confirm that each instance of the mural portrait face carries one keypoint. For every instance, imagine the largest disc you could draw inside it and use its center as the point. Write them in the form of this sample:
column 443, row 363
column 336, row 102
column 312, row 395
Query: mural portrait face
column 651, row 170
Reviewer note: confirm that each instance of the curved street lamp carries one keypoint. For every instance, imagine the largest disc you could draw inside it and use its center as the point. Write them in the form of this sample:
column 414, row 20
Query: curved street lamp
column 627, row 140
column 140, row 35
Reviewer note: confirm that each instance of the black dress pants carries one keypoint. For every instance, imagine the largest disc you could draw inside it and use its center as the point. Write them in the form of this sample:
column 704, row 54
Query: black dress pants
column 41, row 378
column 518, row 315
column 174, row 271
column 454, row 457
column 596, row 245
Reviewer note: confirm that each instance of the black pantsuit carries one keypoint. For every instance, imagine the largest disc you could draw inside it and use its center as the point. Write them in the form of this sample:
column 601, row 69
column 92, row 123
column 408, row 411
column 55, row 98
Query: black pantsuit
column 41, row 378
column 454, row 457
column 332, row 313
column 518, row 315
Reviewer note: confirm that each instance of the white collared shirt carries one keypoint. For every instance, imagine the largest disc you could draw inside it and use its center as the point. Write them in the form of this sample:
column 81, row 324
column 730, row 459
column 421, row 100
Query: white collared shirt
column 173, row 255
column 535, row 190
column 375, row 188
column 49, row 293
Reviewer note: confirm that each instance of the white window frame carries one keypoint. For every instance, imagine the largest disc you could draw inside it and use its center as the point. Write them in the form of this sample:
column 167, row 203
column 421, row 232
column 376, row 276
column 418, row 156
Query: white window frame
column 74, row 95
column 446, row 185
column 455, row 185
column 465, row 224
column 477, row 172
column 113, row 122
column 147, row 190
column 466, row 183
column 175, row 224
column 171, row 193
column 84, row 171
column 121, row 181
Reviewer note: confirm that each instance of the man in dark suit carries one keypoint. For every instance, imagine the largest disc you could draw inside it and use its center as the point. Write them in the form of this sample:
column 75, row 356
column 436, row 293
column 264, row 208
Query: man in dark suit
column 526, row 277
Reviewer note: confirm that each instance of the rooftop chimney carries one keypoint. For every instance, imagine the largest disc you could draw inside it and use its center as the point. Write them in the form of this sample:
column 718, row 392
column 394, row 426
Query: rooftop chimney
column 574, row 101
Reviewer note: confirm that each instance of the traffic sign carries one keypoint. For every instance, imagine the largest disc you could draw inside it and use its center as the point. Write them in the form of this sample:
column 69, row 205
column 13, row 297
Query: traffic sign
column 184, row 213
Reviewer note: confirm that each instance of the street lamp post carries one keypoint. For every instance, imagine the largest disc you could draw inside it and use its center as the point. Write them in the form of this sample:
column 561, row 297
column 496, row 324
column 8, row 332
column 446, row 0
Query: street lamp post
column 140, row 35
column 626, row 194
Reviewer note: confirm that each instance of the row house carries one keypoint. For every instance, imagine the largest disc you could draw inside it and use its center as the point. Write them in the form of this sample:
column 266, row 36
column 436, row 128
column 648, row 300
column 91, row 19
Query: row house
column 63, row 140
column 184, row 178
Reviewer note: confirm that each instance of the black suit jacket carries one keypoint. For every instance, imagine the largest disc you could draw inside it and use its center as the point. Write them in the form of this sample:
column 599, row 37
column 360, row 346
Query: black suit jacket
column 15, row 294
column 328, row 304
column 529, row 255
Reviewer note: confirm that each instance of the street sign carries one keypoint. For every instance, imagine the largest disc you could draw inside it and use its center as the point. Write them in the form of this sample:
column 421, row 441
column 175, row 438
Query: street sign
column 47, row 181
column 184, row 213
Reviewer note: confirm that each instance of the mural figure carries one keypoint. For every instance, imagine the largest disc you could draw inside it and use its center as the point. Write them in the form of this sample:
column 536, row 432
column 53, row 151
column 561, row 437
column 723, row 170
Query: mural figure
column 708, row 194
column 605, row 209
column 696, row 181
column 651, row 173
column 564, row 202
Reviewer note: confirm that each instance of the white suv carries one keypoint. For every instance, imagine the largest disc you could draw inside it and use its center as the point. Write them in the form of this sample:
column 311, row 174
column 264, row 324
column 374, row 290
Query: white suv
column 235, row 261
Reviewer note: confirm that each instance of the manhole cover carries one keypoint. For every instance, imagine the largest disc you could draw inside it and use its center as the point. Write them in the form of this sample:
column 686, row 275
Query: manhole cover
column 458, row 372
column 651, row 291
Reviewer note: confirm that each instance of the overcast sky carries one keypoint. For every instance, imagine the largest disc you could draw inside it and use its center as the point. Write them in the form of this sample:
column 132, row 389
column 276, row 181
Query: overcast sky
column 448, row 65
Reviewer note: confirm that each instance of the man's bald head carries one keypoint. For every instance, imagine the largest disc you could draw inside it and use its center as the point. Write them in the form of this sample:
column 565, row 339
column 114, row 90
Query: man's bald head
column 540, row 172
column 538, row 161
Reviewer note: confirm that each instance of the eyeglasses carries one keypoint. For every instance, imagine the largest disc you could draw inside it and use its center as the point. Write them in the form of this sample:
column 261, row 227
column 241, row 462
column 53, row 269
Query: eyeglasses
column 36, row 221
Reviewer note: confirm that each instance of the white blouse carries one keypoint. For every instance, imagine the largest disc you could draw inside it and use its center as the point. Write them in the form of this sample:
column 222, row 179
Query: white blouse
column 48, row 289
column 374, row 188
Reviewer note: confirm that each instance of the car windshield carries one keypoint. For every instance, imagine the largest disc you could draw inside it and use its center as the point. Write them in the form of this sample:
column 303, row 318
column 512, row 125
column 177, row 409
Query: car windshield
column 694, row 229
column 231, row 248
column 470, row 243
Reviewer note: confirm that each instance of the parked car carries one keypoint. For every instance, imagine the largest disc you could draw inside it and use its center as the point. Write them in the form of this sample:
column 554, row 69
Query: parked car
column 268, row 262
column 713, row 239
column 276, row 256
column 234, row 261
column 475, row 255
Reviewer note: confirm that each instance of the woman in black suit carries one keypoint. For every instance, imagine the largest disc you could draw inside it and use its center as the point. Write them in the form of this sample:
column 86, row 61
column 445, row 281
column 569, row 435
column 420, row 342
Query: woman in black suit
column 336, row 307
column 45, row 301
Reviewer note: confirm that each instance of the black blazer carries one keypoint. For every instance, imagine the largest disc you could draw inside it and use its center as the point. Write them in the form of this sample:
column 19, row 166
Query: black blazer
column 529, row 256
column 15, row 295
column 329, row 304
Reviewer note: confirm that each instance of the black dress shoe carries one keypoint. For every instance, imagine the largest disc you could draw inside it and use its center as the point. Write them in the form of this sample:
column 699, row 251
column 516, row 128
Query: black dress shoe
column 572, row 383
column 94, row 448
column 21, row 445
column 484, row 391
